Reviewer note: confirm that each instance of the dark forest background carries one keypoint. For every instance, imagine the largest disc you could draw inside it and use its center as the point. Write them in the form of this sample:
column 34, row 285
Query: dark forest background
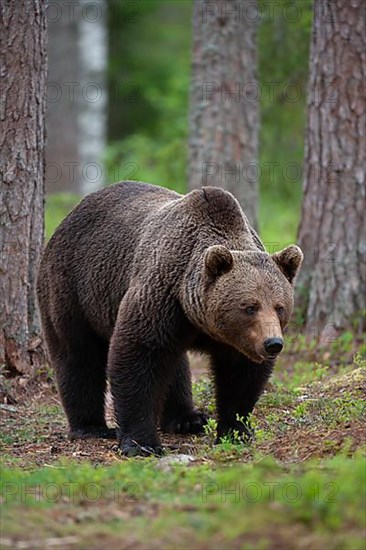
column 148, row 82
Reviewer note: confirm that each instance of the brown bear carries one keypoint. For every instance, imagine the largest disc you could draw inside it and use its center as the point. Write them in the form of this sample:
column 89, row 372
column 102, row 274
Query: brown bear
column 137, row 275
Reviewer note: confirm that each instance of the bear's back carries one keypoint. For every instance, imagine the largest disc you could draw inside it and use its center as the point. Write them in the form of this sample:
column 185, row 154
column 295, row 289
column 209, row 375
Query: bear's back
column 116, row 202
column 87, row 261
column 106, row 215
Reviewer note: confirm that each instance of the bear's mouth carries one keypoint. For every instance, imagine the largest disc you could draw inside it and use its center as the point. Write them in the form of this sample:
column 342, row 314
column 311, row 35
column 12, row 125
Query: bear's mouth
column 257, row 357
column 262, row 357
column 271, row 356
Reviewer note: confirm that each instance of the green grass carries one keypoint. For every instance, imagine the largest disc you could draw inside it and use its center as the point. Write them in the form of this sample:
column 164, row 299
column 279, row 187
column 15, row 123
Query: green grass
column 255, row 501
column 303, row 372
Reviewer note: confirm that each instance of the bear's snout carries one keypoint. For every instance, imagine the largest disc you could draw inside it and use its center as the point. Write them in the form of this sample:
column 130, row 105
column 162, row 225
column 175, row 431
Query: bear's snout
column 273, row 346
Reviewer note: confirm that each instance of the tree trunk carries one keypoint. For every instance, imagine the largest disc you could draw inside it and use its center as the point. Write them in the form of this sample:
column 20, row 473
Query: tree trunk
column 23, row 67
column 63, row 170
column 92, row 118
column 224, row 117
column 77, row 96
column 331, row 234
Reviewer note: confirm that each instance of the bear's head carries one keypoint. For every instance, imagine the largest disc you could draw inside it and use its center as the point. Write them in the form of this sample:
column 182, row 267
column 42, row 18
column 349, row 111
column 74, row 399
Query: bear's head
column 246, row 298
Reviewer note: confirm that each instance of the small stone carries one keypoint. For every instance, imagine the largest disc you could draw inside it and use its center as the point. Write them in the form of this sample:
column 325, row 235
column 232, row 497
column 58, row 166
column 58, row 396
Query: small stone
column 166, row 462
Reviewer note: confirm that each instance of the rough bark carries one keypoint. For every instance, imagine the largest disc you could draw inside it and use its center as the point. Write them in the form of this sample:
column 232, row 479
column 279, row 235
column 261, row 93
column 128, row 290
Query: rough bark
column 331, row 234
column 77, row 96
column 224, row 114
column 23, row 80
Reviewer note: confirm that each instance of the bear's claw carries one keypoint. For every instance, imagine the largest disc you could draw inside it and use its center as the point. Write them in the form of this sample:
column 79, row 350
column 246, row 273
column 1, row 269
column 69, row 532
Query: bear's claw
column 132, row 448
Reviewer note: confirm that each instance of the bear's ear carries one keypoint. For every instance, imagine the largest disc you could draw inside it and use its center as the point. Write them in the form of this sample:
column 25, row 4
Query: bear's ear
column 218, row 260
column 289, row 261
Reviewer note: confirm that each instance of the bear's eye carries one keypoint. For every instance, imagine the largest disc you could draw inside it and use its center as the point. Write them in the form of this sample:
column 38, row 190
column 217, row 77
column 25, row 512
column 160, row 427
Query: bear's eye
column 280, row 310
column 251, row 310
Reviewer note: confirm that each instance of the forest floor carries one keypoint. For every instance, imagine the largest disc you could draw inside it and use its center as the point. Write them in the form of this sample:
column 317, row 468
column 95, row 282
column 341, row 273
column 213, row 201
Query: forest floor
column 299, row 485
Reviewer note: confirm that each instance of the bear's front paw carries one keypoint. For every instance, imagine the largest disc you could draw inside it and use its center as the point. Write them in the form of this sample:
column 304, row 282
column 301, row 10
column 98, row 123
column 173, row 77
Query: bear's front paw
column 192, row 422
column 132, row 448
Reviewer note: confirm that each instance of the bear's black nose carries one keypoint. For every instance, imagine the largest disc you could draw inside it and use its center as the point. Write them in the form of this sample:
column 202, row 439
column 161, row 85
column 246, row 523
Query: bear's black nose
column 273, row 345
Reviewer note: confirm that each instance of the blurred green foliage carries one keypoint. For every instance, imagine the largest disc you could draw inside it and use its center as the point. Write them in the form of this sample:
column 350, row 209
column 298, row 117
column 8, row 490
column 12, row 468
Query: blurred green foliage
column 283, row 46
column 57, row 207
column 149, row 79
column 150, row 58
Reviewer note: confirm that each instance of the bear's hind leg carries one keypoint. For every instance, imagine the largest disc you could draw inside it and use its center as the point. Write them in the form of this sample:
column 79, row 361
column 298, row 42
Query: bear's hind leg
column 179, row 415
column 80, row 364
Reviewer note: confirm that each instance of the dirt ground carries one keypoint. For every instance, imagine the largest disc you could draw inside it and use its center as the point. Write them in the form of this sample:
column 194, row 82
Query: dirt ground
column 34, row 428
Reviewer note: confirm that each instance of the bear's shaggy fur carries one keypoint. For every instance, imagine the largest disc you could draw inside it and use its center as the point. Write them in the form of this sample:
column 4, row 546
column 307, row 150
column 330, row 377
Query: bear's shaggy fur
column 134, row 277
